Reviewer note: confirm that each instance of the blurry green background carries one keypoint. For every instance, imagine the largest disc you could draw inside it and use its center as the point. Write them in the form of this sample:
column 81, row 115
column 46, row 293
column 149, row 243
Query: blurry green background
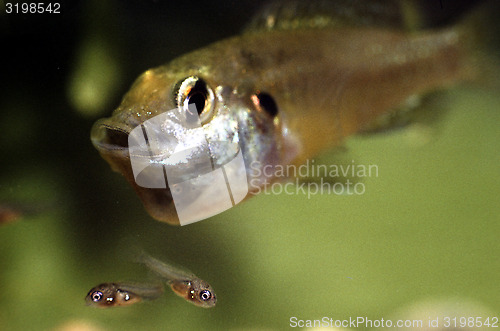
column 427, row 228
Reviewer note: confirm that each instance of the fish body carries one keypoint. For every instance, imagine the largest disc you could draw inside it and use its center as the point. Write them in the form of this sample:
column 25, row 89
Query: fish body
column 184, row 283
column 283, row 93
column 108, row 295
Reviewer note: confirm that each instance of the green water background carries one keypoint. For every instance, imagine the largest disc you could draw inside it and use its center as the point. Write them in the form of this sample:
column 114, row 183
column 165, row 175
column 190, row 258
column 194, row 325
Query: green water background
column 427, row 227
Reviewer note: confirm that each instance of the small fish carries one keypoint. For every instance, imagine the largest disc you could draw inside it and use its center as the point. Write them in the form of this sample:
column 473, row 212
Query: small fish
column 299, row 81
column 184, row 283
column 11, row 211
column 122, row 294
column 9, row 214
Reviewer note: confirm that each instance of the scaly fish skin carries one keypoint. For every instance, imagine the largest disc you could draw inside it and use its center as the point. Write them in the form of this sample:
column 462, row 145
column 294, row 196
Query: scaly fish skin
column 325, row 83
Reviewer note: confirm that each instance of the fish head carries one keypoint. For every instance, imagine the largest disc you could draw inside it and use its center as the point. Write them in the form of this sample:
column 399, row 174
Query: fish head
column 98, row 295
column 197, row 118
column 195, row 291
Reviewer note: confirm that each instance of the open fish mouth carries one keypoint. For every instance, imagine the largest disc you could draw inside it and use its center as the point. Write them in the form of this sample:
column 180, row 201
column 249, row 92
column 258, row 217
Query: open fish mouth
column 175, row 166
column 108, row 139
column 113, row 145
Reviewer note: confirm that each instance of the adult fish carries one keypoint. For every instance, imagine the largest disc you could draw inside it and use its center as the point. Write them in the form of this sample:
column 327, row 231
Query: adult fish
column 299, row 81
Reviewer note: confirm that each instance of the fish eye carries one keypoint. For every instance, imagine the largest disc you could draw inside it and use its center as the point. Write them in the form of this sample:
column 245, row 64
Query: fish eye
column 96, row 296
column 205, row 295
column 194, row 90
column 265, row 102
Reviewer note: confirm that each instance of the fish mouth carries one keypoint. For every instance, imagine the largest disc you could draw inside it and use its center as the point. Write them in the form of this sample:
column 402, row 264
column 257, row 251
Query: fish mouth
column 184, row 176
column 113, row 145
column 109, row 139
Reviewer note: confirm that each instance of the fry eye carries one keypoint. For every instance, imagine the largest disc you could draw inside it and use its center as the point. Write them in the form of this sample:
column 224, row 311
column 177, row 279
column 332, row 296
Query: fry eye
column 96, row 296
column 194, row 90
column 205, row 295
column 265, row 102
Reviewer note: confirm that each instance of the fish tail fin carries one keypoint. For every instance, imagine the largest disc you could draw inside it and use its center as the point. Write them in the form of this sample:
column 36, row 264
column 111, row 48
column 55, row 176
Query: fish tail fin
column 480, row 34
column 140, row 256
column 151, row 290
column 164, row 269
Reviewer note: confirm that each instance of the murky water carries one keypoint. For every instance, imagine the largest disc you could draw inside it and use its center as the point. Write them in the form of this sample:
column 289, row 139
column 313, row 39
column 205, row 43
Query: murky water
column 424, row 230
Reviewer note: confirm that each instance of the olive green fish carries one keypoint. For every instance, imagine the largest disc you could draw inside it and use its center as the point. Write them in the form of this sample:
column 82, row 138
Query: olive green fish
column 299, row 80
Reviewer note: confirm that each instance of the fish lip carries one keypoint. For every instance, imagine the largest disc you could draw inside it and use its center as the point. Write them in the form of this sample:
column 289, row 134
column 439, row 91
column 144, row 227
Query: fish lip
column 110, row 134
column 109, row 139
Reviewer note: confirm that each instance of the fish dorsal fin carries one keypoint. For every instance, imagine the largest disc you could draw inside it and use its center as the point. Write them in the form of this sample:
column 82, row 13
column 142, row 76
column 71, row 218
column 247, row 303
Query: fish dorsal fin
column 301, row 14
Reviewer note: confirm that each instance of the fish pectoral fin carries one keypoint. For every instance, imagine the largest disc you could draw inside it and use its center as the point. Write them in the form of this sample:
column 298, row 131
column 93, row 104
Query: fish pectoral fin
column 394, row 119
column 417, row 111
column 419, row 120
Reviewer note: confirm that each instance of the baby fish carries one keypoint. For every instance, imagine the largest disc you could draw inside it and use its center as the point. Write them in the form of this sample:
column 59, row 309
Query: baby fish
column 184, row 283
column 297, row 83
column 11, row 211
column 122, row 294
column 9, row 214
